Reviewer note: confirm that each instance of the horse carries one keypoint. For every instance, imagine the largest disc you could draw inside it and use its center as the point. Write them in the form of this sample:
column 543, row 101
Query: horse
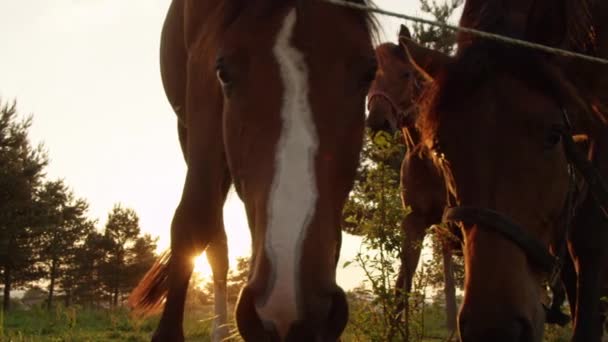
column 500, row 121
column 404, row 70
column 270, row 97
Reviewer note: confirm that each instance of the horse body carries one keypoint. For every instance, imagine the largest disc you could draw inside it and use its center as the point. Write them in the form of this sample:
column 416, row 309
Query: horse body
column 404, row 71
column 500, row 123
column 270, row 99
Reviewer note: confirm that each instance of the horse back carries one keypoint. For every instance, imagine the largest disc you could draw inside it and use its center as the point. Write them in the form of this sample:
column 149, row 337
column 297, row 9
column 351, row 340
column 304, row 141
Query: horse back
column 173, row 57
column 187, row 32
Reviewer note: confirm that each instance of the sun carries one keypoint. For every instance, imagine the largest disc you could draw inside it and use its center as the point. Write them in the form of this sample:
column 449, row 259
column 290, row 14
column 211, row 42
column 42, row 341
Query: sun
column 202, row 267
column 239, row 240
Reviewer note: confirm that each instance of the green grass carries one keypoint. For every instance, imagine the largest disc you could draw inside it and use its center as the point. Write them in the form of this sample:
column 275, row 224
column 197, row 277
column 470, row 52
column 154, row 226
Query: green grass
column 81, row 324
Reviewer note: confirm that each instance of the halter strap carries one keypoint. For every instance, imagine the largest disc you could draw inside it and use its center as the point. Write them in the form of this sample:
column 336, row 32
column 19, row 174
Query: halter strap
column 400, row 114
column 496, row 222
column 533, row 248
column 381, row 94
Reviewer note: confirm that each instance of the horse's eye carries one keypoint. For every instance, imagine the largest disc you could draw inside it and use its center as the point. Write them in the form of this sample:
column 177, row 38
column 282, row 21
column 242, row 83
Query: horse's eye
column 222, row 73
column 554, row 137
column 223, row 76
column 406, row 75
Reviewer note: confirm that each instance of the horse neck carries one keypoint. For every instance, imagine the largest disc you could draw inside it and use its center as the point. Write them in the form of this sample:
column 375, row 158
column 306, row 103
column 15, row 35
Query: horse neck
column 590, row 78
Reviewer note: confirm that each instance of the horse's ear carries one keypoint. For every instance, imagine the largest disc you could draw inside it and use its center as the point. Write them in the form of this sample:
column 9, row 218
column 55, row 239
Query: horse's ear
column 404, row 32
column 430, row 61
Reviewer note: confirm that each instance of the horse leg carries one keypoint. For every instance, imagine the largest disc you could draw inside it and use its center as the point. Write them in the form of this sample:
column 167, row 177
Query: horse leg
column 414, row 227
column 198, row 217
column 217, row 255
column 197, row 220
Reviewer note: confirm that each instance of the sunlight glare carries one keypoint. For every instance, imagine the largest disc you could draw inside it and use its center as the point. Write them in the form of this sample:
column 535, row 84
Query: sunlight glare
column 202, row 267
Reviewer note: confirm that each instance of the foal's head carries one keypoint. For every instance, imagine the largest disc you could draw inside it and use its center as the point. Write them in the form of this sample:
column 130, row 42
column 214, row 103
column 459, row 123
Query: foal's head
column 403, row 71
column 294, row 76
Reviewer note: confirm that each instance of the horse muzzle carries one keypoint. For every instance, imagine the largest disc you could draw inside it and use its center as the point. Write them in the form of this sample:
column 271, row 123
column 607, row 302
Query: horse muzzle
column 322, row 321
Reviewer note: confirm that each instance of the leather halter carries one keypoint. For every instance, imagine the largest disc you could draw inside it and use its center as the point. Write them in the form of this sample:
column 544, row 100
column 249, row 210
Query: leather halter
column 534, row 249
column 401, row 116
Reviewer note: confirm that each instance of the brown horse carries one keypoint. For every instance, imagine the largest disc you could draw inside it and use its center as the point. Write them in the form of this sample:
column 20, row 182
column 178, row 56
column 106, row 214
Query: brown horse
column 393, row 104
column 270, row 97
column 500, row 122
column 403, row 72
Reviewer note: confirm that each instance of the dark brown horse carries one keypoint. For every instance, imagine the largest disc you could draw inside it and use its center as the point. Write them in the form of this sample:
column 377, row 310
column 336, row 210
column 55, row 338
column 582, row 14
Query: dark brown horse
column 404, row 69
column 500, row 122
column 269, row 97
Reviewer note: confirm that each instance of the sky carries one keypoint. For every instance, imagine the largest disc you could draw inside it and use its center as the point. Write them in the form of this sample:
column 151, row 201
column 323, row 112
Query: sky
column 88, row 71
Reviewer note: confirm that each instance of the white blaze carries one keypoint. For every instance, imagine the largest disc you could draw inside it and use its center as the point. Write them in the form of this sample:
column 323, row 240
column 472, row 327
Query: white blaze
column 293, row 194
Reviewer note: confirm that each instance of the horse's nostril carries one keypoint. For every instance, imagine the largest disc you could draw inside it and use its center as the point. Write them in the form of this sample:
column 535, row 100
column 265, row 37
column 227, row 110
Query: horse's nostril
column 248, row 322
column 338, row 315
column 323, row 321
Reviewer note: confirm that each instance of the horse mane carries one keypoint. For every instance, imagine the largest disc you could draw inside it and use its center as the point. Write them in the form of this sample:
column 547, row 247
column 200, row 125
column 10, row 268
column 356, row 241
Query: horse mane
column 234, row 8
column 566, row 23
column 478, row 60
column 482, row 62
column 370, row 20
column 579, row 27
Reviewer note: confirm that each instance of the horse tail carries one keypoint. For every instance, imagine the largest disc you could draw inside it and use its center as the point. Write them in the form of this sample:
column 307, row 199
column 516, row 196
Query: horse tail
column 150, row 294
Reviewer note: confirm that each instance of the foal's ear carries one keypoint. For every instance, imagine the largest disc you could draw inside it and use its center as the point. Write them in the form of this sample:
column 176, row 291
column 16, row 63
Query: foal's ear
column 404, row 32
column 431, row 62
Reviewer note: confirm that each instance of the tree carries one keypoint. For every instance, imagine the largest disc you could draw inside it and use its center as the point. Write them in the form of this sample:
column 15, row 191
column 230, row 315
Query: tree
column 142, row 257
column 375, row 208
column 85, row 271
column 129, row 255
column 434, row 37
column 237, row 279
column 21, row 170
column 74, row 273
column 63, row 223
column 122, row 229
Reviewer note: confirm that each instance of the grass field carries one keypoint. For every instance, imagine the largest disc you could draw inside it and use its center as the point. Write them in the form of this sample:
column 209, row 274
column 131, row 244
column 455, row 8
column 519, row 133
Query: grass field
column 74, row 324
column 81, row 324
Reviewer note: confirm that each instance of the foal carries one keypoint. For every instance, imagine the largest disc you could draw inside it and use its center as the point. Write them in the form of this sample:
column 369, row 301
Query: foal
column 403, row 72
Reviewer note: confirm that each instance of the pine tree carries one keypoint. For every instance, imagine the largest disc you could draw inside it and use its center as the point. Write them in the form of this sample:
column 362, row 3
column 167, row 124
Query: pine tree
column 63, row 224
column 74, row 274
column 129, row 255
column 86, row 270
column 21, row 169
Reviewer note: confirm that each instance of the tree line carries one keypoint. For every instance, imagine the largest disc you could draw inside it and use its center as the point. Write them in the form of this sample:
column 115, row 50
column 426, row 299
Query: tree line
column 47, row 239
